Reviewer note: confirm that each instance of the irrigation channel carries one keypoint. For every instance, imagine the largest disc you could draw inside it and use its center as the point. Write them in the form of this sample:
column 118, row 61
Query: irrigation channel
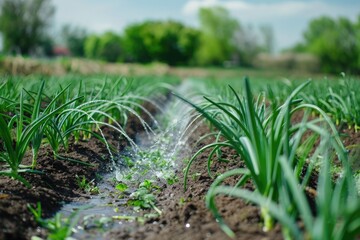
column 154, row 159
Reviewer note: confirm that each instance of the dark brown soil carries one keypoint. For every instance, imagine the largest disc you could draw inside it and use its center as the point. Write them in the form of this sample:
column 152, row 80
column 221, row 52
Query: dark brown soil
column 58, row 183
column 242, row 218
column 55, row 186
column 180, row 209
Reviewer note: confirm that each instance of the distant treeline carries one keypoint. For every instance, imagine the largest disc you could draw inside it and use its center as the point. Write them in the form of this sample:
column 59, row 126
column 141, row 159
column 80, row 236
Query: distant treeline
column 336, row 42
column 220, row 39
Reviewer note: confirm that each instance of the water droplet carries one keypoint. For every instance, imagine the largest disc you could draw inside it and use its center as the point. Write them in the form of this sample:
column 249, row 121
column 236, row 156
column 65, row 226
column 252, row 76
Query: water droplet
column 187, row 225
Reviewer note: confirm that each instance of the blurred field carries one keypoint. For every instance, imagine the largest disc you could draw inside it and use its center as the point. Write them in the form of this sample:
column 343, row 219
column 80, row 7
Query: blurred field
column 63, row 66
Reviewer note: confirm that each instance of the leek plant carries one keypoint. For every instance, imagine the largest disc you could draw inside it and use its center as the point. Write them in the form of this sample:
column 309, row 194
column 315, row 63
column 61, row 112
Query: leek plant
column 8, row 90
column 85, row 116
column 86, row 119
column 36, row 111
column 17, row 142
column 32, row 117
column 261, row 135
column 345, row 109
column 337, row 204
column 339, row 101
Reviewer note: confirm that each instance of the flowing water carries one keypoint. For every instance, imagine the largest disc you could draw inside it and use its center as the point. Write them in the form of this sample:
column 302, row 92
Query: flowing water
column 155, row 158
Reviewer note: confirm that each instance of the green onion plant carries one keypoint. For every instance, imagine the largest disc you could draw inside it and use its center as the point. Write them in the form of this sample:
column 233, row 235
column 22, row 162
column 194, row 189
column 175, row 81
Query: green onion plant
column 261, row 135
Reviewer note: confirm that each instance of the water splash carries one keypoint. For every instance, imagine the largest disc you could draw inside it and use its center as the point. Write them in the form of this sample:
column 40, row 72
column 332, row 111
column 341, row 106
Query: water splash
column 155, row 156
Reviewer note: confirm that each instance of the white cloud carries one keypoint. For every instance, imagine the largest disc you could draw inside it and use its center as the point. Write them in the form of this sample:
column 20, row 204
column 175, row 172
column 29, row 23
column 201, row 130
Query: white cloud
column 282, row 9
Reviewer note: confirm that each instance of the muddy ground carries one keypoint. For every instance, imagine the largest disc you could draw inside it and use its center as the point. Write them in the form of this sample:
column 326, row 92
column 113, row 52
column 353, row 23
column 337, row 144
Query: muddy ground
column 58, row 183
column 184, row 213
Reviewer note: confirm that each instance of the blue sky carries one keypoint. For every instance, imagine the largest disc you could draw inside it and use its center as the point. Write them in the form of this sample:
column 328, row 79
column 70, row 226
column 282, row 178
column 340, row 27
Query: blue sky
column 288, row 18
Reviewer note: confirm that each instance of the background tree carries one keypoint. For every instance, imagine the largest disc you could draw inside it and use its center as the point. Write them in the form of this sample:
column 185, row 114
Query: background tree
column 110, row 47
column 24, row 24
column 136, row 39
column 218, row 30
column 107, row 47
column 91, row 46
column 74, row 38
column 334, row 42
column 357, row 30
column 170, row 42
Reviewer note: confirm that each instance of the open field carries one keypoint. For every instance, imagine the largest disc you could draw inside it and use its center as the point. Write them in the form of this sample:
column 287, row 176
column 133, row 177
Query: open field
column 181, row 153
column 63, row 66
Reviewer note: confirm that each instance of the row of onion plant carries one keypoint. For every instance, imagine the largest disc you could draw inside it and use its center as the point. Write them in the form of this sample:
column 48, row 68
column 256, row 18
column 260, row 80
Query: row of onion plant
column 45, row 114
column 338, row 98
column 269, row 144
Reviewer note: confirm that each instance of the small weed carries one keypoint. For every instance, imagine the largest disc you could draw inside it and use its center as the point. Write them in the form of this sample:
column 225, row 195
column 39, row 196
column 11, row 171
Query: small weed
column 87, row 186
column 172, row 179
column 122, row 187
column 129, row 162
column 182, row 201
column 195, row 176
column 148, row 185
column 142, row 198
column 59, row 227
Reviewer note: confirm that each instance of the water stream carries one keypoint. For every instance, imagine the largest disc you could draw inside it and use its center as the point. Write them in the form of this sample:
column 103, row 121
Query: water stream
column 155, row 158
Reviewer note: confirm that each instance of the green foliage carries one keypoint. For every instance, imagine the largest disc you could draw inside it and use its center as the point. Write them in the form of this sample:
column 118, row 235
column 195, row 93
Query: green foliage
column 218, row 30
column 211, row 52
column 121, row 187
column 87, row 186
column 59, row 227
column 23, row 24
column 335, row 42
column 27, row 130
column 223, row 39
column 91, row 46
column 143, row 198
column 262, row 136
column 169, row 42
column 338, row 100
column 110, row 48
column 106, row 47
column 336, row 97
column 336, row 203
column 74, row 38
column 59, row 116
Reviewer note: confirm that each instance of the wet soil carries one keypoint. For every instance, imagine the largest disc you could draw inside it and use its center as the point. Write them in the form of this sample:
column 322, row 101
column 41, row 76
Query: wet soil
column 58, row 183
column 185, row 215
